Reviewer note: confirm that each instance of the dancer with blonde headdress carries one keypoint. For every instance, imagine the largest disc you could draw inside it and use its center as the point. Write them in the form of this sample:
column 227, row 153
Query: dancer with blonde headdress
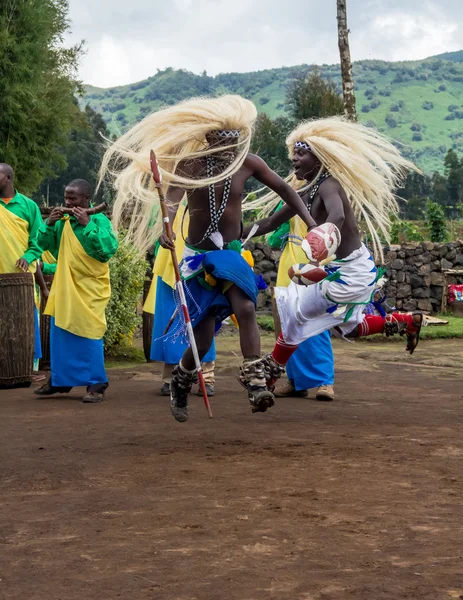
column 344, row 171
column 202, row 146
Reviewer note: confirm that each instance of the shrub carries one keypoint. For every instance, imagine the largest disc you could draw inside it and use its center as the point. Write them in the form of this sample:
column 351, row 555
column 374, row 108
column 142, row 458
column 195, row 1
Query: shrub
column 127, row 273
column 435, row 222
column 375, row 103
column 264, row 100
column 427, row 105
column 385, row 92
column 417, row 137
column 366, row 108
column 404, row 231
column 452, row 107
column 391, row 120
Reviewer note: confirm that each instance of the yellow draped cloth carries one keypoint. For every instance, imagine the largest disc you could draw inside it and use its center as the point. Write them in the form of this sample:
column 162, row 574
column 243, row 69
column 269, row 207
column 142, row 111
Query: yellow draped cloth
column 48, row 258
column 163, row 263
column 14, row 241
column 80, row 291
column 292, row 253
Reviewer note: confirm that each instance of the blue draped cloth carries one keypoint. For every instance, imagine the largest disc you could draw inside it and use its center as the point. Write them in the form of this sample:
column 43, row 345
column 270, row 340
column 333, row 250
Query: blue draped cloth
column 37, row 341
column 227, row 266
column 171, row 347
column 75, row 360
column 312, row 365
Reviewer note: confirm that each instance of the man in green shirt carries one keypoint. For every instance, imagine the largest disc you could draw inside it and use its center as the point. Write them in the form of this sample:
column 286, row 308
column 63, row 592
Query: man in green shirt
column 83, row 245
column 20, row 220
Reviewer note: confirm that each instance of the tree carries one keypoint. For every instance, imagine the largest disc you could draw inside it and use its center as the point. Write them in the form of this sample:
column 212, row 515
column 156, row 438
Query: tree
column 308, row 97
column 435, row 222
column 37, row 87
column 346, row 63
column 453, row 169
column 269, row 142
column 83, row 154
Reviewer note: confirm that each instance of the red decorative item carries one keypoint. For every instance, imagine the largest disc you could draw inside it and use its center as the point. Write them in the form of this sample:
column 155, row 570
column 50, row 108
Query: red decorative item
column 321, row 242
column 455, row 293
column 306, row 274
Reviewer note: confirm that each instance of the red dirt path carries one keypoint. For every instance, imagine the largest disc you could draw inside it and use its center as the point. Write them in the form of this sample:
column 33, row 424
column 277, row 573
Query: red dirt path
column 357, row 499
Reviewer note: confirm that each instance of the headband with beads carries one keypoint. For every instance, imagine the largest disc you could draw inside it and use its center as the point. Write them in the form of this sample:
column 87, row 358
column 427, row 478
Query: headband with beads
column 226, row 133
column 303, row 145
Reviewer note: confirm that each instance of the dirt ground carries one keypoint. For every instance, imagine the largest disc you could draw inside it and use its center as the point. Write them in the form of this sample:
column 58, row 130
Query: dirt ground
column 356, row 499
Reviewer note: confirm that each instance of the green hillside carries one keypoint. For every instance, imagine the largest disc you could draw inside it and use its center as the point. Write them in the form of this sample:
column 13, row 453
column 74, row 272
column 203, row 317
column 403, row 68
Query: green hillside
column 418, row 103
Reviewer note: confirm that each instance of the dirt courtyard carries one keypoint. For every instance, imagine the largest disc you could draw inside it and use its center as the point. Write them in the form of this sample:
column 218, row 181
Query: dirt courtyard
column 356, row 499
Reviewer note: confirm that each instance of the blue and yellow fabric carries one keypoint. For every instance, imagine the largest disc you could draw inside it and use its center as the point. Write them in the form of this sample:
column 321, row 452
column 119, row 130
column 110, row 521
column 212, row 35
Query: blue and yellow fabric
column 160, row 300
column 78, row 298
column 312, row 365
column 19, row 221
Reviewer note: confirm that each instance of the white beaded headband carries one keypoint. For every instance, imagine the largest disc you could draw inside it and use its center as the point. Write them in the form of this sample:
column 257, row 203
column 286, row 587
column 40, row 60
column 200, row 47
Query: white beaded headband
column 226, row 133
column 303, row 145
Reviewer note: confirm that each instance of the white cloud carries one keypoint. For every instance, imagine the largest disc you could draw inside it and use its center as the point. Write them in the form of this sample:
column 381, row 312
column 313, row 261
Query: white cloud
column 127, row 42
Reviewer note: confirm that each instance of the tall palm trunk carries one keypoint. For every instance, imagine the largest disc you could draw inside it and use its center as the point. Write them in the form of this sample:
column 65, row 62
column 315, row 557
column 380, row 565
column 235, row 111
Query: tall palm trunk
column 346, row 64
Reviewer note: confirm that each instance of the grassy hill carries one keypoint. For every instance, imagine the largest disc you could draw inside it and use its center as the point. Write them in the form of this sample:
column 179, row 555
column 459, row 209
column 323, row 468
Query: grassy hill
column 419, row 103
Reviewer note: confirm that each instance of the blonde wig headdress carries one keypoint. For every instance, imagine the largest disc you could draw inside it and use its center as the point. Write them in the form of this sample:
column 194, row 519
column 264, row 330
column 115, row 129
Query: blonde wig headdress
column 176, row 134
column 367, row 165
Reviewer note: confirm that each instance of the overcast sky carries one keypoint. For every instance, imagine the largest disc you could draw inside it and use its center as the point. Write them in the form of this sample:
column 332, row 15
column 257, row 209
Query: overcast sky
column 127, row 40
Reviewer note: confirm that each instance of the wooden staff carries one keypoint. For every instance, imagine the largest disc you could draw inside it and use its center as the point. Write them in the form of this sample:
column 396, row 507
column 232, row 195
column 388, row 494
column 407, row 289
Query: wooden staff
column 92, row 210
column 178, row 280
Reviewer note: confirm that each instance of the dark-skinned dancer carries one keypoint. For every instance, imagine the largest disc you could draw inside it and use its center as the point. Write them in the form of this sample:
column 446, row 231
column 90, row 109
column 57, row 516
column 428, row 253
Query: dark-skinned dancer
column 202, row 146
column 343, row 170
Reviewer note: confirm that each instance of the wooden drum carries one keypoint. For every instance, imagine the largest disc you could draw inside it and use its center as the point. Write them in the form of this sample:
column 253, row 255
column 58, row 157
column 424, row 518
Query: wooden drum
column 16, row 329
column 44, row 362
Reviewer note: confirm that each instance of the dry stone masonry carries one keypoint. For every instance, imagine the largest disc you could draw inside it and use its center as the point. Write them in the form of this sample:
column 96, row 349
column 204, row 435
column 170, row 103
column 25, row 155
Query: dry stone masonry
column 415, row 273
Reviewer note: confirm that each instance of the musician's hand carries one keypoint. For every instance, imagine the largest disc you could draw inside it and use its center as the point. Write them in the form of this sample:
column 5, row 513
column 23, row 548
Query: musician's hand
column 167, row 242
column 81, row 215
column 55, row 215
column 22, row 264
column 45, row 292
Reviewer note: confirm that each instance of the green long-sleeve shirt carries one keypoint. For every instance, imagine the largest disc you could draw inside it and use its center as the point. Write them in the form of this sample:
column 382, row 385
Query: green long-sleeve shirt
column 26, row 209
column 48, row 269
column 97, row 237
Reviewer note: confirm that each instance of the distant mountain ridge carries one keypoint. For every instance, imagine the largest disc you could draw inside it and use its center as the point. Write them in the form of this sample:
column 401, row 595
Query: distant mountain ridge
column 419, row 103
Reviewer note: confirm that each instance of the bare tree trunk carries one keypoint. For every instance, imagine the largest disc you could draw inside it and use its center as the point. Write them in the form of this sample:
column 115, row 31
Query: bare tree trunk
column 346, row 64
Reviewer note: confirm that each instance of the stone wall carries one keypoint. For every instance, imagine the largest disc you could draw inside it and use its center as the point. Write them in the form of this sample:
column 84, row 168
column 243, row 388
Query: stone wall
column 415, row 273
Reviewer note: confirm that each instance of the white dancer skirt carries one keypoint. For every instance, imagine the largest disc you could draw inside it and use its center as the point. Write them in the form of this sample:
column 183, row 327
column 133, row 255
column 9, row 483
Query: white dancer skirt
column 338, row 301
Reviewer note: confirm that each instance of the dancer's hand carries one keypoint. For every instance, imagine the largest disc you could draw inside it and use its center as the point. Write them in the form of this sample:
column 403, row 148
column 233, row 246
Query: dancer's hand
column 167, row 242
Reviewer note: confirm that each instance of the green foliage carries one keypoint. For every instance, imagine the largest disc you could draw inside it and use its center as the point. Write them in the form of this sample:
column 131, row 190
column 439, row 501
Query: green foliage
column 37, row 87
column 83, row 153
column 435, row 222
column 269, row 142
column 404, row 231
column 373, row 79
column 127, row 272
column 312, row 96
